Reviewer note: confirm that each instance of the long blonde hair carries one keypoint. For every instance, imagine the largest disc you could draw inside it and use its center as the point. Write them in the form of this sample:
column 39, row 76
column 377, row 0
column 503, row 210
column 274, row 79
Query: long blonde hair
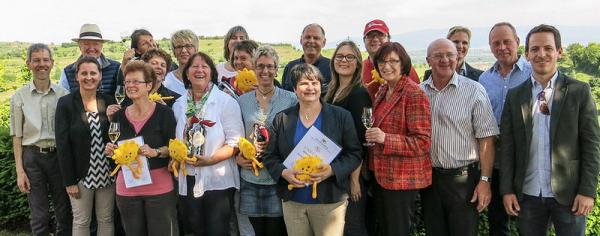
column 334, row 84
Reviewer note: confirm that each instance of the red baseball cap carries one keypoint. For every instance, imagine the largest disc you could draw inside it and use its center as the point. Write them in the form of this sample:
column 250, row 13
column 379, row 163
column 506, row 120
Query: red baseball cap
column 378, row 25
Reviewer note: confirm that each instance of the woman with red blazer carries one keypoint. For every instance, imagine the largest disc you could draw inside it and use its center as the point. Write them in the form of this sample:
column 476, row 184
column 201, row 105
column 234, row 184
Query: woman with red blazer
column 401, row 132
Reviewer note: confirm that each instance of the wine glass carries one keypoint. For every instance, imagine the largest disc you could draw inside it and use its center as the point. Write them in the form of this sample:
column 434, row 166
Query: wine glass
column 120, row 94
column 114, row 131
column 367, row 119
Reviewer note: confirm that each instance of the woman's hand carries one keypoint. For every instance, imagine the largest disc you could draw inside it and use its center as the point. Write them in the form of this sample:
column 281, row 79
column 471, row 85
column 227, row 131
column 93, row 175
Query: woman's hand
column 243, row 162
column 260, row 147
column 355, row 191
column 109, row 150
column 112, row 109
column 202, row 161
column 73, row 191
column 325, row 173
column 148, row 151
column 290, row 176
column 375, row 135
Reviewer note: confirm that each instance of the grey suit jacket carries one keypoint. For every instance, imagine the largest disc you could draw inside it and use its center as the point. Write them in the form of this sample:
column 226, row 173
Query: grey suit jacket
column 574, row 140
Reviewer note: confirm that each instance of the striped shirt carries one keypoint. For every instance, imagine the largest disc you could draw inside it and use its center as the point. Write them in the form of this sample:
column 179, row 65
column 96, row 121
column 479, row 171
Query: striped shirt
column 461, row 113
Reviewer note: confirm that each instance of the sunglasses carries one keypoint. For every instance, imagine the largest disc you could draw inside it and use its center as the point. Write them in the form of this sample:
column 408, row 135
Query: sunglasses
column 541, row 97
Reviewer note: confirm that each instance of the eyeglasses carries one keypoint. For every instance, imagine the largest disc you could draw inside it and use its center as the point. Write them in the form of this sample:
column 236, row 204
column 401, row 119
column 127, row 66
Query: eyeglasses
column 134, row 82
column 388, row 62
column 440, row 56
column 541, row 97
column 349, row 57
column 375, row 35
column 186, row 46
column 263, row 66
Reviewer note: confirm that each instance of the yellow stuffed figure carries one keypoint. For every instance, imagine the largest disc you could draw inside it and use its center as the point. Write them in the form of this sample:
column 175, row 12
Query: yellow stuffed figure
column 307, row 165
column 178, row 151
column 155, row 97
column 126, row 154
column 246, row 80
column 376, row 78
column 249, row 152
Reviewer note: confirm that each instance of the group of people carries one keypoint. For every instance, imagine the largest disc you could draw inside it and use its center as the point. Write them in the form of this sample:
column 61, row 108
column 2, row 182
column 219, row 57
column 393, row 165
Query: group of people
column 520, row 139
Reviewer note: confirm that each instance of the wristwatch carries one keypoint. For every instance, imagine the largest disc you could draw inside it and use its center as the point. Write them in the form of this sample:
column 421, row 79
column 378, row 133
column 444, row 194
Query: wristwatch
column 157, row 152
column 486, row 178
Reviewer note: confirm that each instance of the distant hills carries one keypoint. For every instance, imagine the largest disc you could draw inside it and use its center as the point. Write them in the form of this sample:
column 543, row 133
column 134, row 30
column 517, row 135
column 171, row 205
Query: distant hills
column 418, row 40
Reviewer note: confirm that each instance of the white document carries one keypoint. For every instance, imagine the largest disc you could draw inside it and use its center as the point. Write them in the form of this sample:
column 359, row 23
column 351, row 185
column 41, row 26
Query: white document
column 313, row 143
column 144, row 177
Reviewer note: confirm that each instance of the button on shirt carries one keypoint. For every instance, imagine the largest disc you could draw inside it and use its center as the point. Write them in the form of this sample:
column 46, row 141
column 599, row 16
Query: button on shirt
column 539, row 168
column 460, row 114
column 32, row 114
column 497, row 85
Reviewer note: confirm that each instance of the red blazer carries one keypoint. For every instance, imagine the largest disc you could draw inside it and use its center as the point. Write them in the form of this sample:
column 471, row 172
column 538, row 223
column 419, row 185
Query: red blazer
column 367, row 77
column 403, row 161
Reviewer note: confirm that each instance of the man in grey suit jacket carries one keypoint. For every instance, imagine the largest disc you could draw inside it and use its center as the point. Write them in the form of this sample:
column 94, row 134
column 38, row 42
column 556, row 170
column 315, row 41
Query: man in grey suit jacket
column 550, row 144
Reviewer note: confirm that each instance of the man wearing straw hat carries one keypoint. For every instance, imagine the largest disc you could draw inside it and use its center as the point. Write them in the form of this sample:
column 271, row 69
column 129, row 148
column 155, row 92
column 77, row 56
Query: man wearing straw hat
column 90, row 44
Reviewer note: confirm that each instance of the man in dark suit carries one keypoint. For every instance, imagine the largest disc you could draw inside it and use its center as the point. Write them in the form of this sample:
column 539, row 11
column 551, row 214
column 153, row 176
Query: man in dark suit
column 550, row 144
column 461, row 37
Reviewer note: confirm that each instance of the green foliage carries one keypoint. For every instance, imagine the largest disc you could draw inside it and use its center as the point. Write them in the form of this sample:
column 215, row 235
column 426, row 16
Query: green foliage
column 14, row 209
column 585, row 59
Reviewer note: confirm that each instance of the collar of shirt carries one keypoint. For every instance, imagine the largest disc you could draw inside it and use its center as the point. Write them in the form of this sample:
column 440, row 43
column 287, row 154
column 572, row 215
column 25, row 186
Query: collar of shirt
column 454, row 81
column 520, row 64
column 537, row 85
column 463, row 69
column 316, row 61
column 32, row 88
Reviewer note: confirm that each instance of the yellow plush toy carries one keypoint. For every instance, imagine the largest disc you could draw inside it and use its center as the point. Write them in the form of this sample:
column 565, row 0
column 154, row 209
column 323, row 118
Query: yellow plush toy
column 126, row 154
column 178, row 151
column 307, row 165
column 376, row 78
column 155, row 97
column 249, row 152
column 246, row 80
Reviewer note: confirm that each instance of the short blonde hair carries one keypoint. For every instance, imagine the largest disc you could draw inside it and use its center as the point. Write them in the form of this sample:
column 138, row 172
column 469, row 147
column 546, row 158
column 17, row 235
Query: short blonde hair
column 185, row 34
column 458, row 28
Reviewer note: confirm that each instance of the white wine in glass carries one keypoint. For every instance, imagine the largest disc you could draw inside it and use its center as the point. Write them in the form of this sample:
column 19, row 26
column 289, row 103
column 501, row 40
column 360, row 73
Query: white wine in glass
column 367, row 119
column 114, row 131
column 120, row 94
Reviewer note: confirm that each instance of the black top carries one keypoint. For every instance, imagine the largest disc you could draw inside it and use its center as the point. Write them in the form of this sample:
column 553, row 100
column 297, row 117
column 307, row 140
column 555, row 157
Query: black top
column 337, row 125
column 357, row 99
column 157, row 131
column 73, row 138
column 163, row 91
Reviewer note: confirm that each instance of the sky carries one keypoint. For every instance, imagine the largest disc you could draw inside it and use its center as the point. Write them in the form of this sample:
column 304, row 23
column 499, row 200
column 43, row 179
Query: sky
column 276, row 21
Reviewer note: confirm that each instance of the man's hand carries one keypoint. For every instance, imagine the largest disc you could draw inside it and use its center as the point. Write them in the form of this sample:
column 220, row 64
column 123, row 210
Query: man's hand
column 582, row 205
column 73, row 191
column 23, row 182
column 511, row 205
column 482, row 195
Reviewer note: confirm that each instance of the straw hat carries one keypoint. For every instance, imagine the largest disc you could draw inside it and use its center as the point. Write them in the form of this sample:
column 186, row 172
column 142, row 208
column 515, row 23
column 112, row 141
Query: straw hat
column 90, row 32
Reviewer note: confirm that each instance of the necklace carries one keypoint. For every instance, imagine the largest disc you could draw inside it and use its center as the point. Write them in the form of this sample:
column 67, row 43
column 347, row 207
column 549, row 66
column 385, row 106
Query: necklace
column 307, row 116
column 265, row 94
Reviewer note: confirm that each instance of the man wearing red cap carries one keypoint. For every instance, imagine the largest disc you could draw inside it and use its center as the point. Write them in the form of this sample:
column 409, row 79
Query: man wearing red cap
column 377, row 33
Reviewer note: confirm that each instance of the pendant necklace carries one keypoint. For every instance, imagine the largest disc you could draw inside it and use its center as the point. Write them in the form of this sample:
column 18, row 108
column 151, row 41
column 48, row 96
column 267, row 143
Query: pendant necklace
column 265, row 94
